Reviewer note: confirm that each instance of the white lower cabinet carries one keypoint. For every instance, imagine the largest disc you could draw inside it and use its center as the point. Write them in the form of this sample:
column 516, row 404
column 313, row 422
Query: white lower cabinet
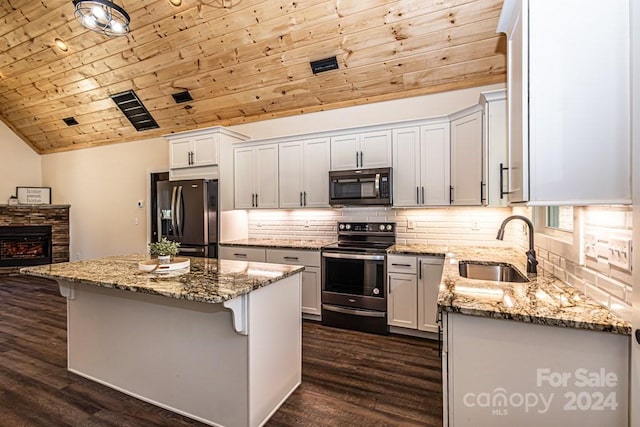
column 311, row 281
column 243, row 253
column 310, row 259
column 412, row 293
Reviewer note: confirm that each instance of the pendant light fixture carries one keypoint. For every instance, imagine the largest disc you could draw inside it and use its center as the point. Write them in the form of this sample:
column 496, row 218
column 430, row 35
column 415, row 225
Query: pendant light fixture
column 102, row 16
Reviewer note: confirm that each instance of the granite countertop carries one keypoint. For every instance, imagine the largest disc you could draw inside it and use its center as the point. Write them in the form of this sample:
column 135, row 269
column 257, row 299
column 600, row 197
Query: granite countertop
column 208, row 280
column 543, row 300
column 280, row 243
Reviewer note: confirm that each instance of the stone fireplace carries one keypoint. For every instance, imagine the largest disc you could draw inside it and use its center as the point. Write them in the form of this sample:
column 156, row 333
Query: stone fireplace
column 32, row 235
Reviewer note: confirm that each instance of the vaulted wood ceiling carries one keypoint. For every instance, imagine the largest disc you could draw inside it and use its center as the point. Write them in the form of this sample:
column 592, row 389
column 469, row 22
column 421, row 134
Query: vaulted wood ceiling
column 242, row 61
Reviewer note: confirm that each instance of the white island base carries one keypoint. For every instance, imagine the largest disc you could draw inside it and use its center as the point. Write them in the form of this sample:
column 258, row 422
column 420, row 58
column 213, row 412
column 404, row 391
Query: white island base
column 197, row 359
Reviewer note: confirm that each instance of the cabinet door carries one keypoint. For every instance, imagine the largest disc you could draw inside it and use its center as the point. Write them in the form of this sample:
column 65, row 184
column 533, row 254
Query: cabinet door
column 179, row 153
column 406, row 166
column 434, row 164
column 375, row 149
column 266, row 177
column 517, row 96
column 244, row 193
column 401, row 300
column 311, row 303
column 291, row 173
column 495, row 147
column 205, row 150
column 466, row 160
column 429, row 278
column 317, row 157
column 345, row 152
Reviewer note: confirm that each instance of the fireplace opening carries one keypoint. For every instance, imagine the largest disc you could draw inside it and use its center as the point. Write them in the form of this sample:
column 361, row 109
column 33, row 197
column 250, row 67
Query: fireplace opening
column 25, row 245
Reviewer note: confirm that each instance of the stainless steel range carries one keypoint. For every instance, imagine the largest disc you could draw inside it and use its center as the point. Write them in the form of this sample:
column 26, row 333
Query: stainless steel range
column 354, row 277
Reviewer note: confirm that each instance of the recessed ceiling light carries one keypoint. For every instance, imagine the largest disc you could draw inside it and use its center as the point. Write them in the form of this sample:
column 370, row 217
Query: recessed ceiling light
column 61, row 44
column 175, row 2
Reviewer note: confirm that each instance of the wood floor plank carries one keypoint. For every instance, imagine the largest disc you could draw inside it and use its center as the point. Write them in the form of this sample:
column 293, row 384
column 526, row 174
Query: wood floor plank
column 348, row 378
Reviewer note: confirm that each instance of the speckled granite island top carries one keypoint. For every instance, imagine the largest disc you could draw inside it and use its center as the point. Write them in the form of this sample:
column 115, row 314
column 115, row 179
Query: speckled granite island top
column 543, row 300
column 208, row 280
column 280, row 243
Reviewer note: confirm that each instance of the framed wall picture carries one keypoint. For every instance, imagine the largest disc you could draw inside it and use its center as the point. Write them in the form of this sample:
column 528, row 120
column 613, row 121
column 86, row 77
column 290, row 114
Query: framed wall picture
column 33, row 195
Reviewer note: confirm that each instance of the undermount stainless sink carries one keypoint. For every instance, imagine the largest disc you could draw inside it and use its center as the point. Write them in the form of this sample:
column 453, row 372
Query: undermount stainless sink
column 491, row 271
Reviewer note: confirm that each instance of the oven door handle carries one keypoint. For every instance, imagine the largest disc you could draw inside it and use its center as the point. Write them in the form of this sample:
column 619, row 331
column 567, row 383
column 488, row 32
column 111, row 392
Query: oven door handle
column 343, row 310
column 353, row 256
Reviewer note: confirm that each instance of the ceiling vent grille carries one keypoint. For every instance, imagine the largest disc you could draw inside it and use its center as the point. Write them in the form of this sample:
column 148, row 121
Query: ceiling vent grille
column 133, row 109
column 70, row 121
column 322, row 65
column 182, row 97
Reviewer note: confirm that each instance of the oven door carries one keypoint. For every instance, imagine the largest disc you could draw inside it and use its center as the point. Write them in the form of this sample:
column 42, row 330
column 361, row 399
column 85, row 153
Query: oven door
column 354, row 280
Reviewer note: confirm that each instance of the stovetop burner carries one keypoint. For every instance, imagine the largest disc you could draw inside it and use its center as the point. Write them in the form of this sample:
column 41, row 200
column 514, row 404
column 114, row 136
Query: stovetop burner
column 363, row 237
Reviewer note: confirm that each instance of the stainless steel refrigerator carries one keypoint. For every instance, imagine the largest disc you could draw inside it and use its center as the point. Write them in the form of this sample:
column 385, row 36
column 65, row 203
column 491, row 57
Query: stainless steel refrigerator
column 187, row 212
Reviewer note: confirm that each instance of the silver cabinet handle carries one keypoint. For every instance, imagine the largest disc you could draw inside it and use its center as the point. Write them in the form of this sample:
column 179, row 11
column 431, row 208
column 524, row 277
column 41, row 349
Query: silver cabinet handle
column 292, row 258
column 401, row 265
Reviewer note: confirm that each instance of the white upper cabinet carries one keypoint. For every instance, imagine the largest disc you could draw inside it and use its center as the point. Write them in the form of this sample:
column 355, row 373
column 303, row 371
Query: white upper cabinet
column 467, row 188
column 304, row 173
column 568, row 86
column 494, row 144
column 421, row 165
column 361, row 150
column 256, row 177
column 435, row 164
column 195, row 154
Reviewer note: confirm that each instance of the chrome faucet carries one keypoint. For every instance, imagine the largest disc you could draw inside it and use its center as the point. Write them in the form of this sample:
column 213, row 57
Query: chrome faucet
column 532, row 262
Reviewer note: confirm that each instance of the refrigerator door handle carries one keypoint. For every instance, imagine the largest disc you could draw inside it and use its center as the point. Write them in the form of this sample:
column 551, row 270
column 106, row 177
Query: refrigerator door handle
column 179, row 211
column 173, row 211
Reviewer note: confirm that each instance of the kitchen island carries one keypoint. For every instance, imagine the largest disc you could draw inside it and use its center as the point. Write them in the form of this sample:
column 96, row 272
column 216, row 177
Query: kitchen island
column 219, row 342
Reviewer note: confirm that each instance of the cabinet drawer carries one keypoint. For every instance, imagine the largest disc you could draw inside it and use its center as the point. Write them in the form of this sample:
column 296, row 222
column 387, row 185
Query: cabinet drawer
column 401, row 264
column 242, row 253
column 293, row 257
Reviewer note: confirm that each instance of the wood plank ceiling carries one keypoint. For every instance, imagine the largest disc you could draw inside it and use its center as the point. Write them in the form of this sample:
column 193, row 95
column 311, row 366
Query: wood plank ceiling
column 241, row 60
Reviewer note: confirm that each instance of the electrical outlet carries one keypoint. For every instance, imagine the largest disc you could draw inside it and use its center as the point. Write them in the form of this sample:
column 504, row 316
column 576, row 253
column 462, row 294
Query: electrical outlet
column 620, row 253
column 306, row 224
column 411, row 224
column 590, row 246
column 474, row 225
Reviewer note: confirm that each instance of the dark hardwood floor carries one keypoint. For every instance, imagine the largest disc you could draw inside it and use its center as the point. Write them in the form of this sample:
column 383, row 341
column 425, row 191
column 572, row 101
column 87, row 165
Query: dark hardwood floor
column 348, row 378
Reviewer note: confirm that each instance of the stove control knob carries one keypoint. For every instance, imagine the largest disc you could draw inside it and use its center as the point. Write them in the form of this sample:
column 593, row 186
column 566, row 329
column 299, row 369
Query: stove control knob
column 341, row 227
column 389, row 227
column 348, row 226
column 381, row 227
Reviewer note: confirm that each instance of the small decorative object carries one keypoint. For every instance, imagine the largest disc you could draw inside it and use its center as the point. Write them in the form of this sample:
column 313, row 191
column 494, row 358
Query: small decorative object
column 13, row 201
column 164, row 250
column 34, row 195
column 178, row 265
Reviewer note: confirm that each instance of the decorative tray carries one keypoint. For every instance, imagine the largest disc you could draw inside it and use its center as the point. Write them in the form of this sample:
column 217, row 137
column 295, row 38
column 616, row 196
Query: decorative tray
column 152, row 265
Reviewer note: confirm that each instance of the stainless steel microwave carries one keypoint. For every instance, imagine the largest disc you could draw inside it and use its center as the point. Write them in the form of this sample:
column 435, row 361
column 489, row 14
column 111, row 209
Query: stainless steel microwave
column 368, row 187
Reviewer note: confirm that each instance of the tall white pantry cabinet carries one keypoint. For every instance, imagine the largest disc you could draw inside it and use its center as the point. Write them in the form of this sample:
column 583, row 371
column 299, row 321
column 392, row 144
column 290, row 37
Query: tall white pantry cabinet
column 568, row 88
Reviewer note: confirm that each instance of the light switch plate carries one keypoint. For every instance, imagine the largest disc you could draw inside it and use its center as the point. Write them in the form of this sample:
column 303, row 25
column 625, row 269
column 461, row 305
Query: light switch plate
column 620, row 253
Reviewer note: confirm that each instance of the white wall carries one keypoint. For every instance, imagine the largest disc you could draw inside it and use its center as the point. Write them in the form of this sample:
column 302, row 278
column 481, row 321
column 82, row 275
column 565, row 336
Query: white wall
column 418, row 107
column 103, row 186
column 19, row 164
